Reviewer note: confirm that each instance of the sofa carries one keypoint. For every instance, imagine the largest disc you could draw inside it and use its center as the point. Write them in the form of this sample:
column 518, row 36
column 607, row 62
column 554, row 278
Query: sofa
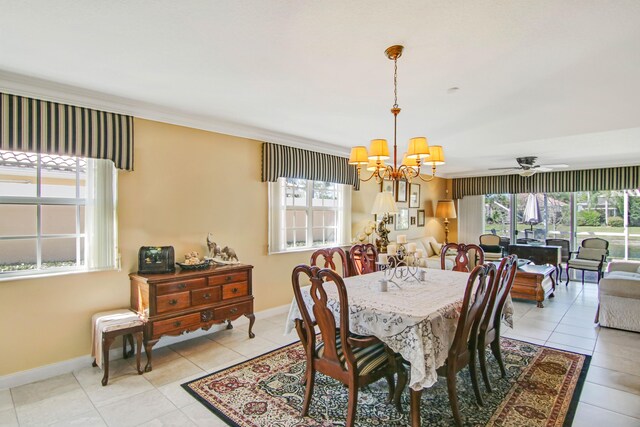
column 619, row 296
column 432, row 250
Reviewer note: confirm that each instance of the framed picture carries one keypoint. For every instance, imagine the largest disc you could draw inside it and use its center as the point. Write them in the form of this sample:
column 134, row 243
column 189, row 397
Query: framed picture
column 402, row 219
column 387, row 186
column 401, row 191
column 414, row 195
column 413, row 220
column 420, row 217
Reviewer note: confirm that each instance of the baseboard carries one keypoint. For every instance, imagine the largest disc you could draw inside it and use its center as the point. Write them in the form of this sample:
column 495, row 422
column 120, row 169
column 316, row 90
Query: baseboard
column 67, row 366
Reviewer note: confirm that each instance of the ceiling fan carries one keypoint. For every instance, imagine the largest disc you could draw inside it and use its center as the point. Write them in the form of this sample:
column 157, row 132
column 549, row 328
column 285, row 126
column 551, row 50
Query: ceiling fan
column 527, row 166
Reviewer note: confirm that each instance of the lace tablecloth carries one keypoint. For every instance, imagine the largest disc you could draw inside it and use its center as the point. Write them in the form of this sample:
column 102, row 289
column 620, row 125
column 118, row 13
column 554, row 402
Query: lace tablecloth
column 417, row 320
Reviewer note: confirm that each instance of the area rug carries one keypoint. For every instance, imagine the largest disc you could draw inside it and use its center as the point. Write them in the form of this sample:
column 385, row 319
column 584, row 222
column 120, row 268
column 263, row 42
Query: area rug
column 542, row 388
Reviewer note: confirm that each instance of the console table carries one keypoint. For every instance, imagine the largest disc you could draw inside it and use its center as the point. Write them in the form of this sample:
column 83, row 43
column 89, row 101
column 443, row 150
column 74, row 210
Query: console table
column 175, row 303
column 538, row 254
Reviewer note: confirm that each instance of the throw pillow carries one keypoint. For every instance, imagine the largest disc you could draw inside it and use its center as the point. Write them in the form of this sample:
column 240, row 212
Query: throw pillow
column 437, row 247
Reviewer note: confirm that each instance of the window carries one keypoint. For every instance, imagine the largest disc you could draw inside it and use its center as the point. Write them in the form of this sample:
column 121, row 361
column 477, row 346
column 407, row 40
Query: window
column 308, row 214
column 497, row 214
column 58, row 214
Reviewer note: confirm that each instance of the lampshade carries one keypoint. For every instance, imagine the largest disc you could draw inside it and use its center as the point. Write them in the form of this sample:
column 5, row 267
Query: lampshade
column 384, row 204
column 359, row 156
column 437, row 155
column 445, row 209
column 418, row 148
column 379, row 149
column 373, row 165
column 409, row 162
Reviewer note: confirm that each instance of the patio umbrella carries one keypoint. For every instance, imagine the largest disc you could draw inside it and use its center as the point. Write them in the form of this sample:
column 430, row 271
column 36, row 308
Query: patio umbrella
column 531, row 214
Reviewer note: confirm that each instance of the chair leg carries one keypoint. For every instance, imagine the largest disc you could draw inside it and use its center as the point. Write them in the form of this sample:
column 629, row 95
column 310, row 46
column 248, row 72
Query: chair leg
column 582, row 277
column 311, row 372
column 474, row 377
column 402, row 383
column 482, row 358
column 352, row 405
column 495, row 349
column 567, row 271
column 392, row 386
column 453, row 397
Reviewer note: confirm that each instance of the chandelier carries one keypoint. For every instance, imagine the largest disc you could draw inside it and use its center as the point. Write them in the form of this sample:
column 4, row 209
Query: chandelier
column 418, row 154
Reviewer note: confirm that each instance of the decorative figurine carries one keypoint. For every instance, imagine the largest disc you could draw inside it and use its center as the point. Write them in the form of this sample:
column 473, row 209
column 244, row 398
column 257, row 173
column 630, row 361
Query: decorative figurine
column 214, row 249
column 225, row 255
column 229, row 254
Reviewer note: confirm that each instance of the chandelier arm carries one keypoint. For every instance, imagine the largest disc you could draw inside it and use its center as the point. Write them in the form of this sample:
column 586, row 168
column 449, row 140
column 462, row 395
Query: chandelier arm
column 431, row 177
column 373, row 174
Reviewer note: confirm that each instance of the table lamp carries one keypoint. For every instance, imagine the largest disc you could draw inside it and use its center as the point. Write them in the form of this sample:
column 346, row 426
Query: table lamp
column 446, row 209
column 383, row 205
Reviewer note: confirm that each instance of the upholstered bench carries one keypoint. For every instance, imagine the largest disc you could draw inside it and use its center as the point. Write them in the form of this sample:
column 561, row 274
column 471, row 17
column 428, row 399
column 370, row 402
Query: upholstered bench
column 109, row 325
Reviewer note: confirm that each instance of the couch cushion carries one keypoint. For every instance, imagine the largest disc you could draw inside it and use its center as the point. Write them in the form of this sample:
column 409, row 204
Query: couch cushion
column 426, row 241
column 437, row 247
column 624, row 275
column 619, row 287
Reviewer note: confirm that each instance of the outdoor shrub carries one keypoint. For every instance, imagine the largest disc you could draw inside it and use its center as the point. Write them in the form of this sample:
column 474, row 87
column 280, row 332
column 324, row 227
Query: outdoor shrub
column 616, row 221
column 589, row 218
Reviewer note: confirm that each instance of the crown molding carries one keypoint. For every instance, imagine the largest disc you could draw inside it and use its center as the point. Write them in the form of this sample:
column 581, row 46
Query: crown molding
column 33, row 87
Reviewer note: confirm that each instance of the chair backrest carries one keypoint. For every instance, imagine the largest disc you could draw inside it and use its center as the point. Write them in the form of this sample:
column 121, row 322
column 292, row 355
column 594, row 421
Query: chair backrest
column 481, row 281
column 327, row 260
column 461, row 262
column 362, row 259
column 489, row 240
column 498, row 297
column 595, row 243
column 564, row 244
column 324, row 317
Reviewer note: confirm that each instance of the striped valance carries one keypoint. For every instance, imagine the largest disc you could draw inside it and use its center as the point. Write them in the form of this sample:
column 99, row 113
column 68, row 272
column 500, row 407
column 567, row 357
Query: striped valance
column 33, row 125
column 621, row 178
column 280, row 161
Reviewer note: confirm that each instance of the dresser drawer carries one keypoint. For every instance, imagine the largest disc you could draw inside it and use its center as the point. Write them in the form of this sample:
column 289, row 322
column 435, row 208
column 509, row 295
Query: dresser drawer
column 235, row 290
column 172, row 302
column 205, row 296
column 180, row 286
column 228, row 278
column 232, row 310
column 176, row 324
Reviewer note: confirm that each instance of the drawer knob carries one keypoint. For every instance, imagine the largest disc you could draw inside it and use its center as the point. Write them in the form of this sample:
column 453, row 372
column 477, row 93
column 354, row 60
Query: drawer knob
column 228, row 278
column 182, row 285
column 233, row 310
column 234, row 290
column 207, row 296
column 177, row 324
column 173, row 302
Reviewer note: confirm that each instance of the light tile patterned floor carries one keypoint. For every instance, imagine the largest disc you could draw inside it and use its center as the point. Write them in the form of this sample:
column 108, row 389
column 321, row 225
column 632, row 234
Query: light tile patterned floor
column 611, row 395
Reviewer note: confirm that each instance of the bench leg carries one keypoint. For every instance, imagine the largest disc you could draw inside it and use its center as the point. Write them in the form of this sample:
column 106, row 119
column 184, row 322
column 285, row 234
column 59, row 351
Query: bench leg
column 138, row 350
column 106, row 345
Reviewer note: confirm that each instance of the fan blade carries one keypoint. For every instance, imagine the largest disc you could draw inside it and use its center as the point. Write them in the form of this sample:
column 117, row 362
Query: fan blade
column 558, row 166
column 543, row 169
column 504, row 169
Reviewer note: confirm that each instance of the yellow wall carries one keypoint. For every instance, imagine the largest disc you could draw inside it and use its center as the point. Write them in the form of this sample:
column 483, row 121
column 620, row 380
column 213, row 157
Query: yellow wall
column 186, row 183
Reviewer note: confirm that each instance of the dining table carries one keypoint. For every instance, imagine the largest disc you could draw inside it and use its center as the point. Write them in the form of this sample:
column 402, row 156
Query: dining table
column 416, row 316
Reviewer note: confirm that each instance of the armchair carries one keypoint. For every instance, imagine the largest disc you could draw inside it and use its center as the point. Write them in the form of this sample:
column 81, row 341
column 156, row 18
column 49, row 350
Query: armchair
column 490, row 244
column 590, row 257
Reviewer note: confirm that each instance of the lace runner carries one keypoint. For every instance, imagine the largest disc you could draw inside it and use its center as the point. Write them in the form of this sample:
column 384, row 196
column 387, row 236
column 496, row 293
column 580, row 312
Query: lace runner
column 416, row 319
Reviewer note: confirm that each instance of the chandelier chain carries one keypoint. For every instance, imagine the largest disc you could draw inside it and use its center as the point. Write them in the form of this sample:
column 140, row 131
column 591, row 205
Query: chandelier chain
column 395, row 83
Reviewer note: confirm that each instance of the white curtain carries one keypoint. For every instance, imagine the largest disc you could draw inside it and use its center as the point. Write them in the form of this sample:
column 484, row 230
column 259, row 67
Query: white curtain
column 100, row 215
column 470, row 219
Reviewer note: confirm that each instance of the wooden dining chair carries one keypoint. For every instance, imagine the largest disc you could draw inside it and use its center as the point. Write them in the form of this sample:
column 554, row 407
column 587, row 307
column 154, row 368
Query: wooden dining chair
column 354, row 360
column 489, row 330
column 461, row 262
column 327, row 257
column 464, row 346
column 362, row 259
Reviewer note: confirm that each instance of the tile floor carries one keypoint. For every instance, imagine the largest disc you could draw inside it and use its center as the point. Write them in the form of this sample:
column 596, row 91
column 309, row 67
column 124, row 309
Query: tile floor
column 611, row 394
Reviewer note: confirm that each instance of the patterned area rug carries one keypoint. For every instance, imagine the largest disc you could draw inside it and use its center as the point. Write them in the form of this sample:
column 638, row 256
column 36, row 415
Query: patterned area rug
column 541, row 389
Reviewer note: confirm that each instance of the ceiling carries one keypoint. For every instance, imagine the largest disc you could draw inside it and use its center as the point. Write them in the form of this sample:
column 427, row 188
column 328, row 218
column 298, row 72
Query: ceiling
column 554, row 79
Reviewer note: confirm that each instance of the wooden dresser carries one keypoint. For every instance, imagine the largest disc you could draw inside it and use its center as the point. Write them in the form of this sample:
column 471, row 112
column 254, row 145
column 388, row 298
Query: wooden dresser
column 184, row 301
